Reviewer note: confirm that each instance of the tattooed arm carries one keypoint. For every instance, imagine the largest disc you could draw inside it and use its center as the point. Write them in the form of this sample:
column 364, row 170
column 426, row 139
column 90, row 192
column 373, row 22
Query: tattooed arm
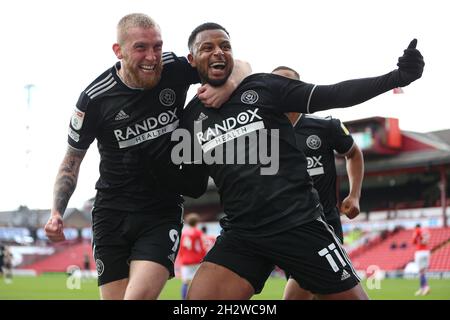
column 65, row 184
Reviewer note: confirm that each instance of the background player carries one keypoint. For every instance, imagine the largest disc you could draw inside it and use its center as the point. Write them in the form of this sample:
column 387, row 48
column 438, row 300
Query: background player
column 421, row 238
column 319, row 138
column 192, row 251
column 2, row 259
column 7, row 265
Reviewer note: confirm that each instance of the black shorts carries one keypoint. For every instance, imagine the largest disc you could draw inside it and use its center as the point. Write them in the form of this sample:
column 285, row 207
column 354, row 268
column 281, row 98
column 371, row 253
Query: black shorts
column 311, row 253
column 120, row 237
column 333, row 218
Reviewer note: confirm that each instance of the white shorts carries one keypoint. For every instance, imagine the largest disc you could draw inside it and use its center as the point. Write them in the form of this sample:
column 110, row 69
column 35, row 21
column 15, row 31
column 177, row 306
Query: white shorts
column 188, row 271
column 422, row 259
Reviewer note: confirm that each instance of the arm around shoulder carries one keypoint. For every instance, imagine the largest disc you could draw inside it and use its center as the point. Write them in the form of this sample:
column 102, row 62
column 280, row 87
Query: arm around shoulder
column 216, row 96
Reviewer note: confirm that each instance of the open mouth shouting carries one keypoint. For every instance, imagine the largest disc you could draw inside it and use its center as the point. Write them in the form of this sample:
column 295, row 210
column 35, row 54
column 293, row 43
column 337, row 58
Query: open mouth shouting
column 217, row 68
column 147, row 68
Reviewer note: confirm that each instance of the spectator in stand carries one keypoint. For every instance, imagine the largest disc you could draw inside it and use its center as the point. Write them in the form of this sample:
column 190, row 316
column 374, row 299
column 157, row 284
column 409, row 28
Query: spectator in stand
column 192, row 251
column 421, row 238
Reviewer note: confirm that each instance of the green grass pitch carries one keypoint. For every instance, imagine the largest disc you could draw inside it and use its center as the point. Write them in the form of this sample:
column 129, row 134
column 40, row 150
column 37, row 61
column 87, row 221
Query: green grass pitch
column 57, row 287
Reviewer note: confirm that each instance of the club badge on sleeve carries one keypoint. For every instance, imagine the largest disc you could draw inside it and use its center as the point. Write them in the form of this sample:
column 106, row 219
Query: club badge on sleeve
column 77, row 119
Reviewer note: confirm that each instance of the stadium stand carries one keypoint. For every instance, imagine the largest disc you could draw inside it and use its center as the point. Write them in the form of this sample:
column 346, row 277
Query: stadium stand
column 440, row 259
column 71, row 255
column 406, row 182
column 386, row 256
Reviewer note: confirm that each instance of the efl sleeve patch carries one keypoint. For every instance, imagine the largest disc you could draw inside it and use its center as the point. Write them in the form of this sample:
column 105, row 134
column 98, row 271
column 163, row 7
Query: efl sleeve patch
column 77, row 119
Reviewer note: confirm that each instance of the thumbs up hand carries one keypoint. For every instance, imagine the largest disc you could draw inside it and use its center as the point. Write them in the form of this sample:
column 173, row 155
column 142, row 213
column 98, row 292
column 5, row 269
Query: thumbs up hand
column 410, row 65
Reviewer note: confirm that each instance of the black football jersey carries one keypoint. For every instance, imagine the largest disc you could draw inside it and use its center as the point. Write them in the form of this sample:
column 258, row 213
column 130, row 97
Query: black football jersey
column 318, row 138
column 132, row 127
column 252, row 201
column 266, row 203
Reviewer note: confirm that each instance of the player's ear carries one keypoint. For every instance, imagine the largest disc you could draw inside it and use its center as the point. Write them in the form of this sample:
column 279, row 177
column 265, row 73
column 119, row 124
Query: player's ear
column 117, row 50
column 191, row 60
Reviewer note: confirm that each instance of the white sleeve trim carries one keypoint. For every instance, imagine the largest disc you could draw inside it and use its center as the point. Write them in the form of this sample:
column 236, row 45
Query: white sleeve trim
column 309, row 99
column 298, row 119
column 348, row 151
column 76, row 149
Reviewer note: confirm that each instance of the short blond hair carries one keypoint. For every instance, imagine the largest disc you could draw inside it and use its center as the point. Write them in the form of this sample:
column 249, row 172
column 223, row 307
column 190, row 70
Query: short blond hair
column 133, row 20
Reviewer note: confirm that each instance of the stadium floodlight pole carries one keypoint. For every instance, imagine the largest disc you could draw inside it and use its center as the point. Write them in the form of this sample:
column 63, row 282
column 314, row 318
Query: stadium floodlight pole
column 28, row 88
column 443, row 190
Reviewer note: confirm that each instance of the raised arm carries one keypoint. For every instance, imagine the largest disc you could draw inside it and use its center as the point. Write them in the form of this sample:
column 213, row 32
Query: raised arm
column 66, row 181
column 355, row 171
column 352, row 92
column 216, row 96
